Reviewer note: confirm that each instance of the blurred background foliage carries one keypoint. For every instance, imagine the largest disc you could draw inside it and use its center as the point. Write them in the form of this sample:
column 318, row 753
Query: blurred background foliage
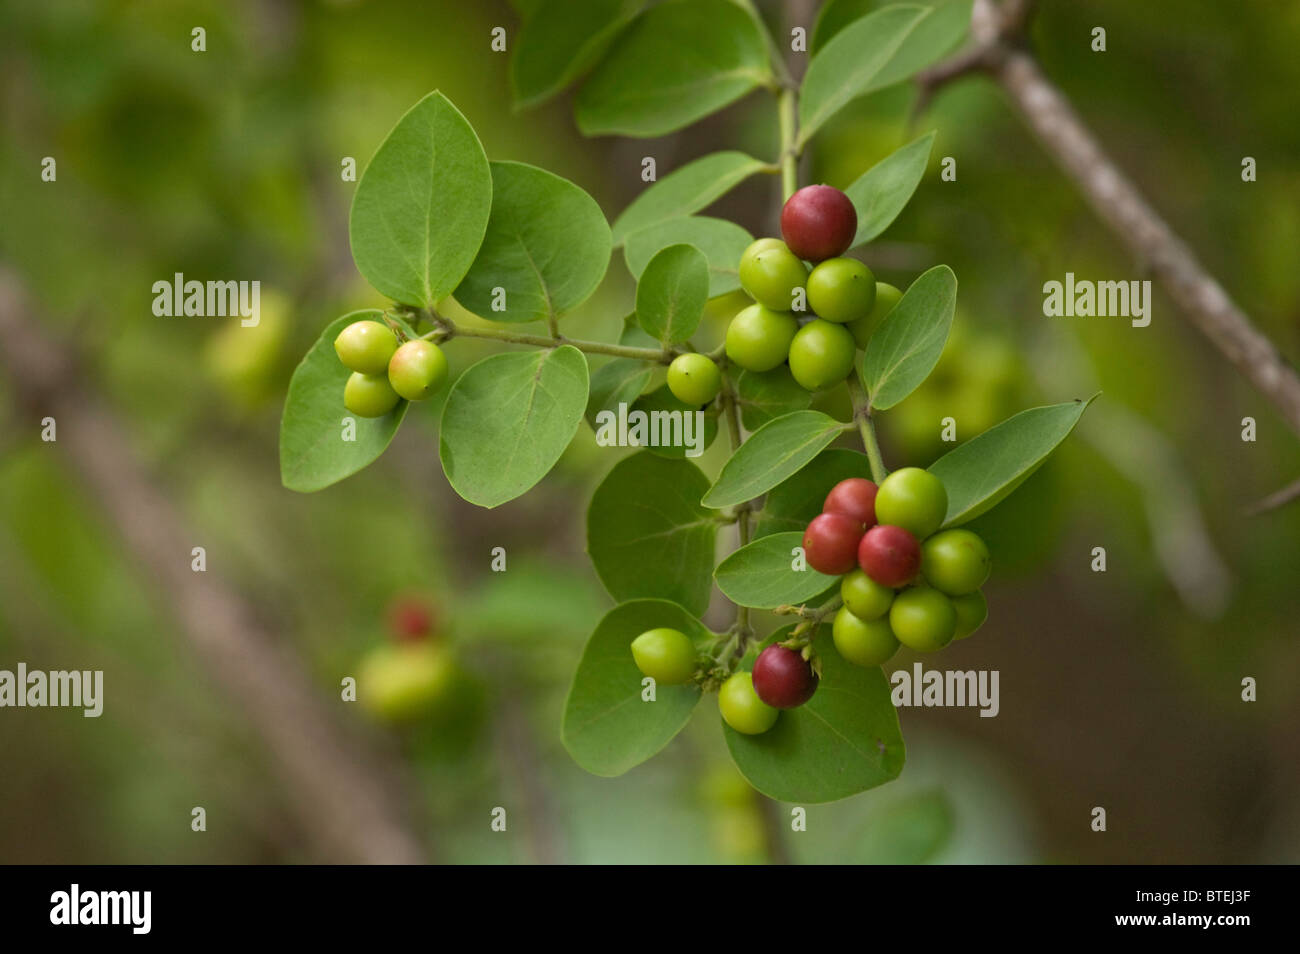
column 1119, row 689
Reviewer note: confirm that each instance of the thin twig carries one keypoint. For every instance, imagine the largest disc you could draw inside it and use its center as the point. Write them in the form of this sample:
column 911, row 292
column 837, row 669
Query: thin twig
column 1275, row 500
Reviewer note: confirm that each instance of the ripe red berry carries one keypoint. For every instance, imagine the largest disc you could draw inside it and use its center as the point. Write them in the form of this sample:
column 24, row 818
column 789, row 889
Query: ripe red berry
column 410, row 618
column 818, row 222
column 830, row 543
column 856, row 498
column 782, row 678
column 889, row 555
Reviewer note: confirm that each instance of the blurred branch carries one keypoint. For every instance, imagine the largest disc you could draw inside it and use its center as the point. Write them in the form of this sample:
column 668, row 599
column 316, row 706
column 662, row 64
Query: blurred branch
column 998, row 51
column 351, row 798
column 1275, row 500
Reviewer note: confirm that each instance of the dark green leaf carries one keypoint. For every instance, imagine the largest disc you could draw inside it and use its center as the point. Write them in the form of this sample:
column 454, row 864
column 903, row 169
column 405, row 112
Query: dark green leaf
column 617, row 381
column 905, row 348
column 795, row 501
column 669, row 426
column 561, row 40
column 761, row 575
column 769, row 394
column 771, row 454
column 686, row 190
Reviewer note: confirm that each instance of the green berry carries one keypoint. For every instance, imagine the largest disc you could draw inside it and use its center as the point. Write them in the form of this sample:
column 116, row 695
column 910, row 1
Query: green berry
column 955, row 562
column 972, row 610
column 821, row 354
column 770, row 273
column 866, row 598
column 742, row 709
column 402, row 681
column 416, row 369
column 913, row 499
column 369, row 395
column 841, row 290
column 366, row 346
column 694, row 379
column 758, row 338
column 863, row 642
column 923, row 619
column 887, row 296
column 665, row 655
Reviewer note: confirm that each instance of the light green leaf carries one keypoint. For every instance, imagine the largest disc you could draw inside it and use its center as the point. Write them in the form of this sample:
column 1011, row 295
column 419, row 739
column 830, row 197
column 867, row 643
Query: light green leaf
column 547, row 246
column 795, row 501
column 761, row 576
column 607, row 728
column 648, row 535
column 672, row 292
column 843, row 741
column 771, row 454
column 765, row 395
column 934, row 37
column 508, row 419
column 679, row 62
column 982, row 472
column 883, row 191
column 617, row 381
column 686, row 190
column 561, row 40
column 421, row 207
column 313, row 452
column 722, row 243
column 905, row 348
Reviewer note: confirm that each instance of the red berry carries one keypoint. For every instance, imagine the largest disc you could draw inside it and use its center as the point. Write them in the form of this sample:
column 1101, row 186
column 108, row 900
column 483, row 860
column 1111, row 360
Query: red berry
column 818, row 222
column 409, row 618
column 856, row 498
column 782, row 678
column 889, row 555
column 831, row 543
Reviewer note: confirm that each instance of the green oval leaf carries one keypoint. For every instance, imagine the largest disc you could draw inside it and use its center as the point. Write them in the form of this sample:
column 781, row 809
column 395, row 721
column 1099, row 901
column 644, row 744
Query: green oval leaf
column 845, row 740
column 508, row 419
column 686, row 190
column 607, row 728
column 851, row 63
column 560, row 41
column 421, row 207
column 905, row 348
column 679, row 62
column 796, row 500
column 313, row 452
column 669, row 428
column 761, row 576
column 547, row 246
column 765, row 395
column 722, row 243
column 771, row 454
column 884, row 190
column 672, row 292
column 617, row 381
column 648, row 535
column 982, row 472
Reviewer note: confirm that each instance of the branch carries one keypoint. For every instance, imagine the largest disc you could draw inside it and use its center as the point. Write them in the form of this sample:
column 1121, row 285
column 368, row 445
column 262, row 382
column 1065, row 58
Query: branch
column 353, row 799
column 1275, row 500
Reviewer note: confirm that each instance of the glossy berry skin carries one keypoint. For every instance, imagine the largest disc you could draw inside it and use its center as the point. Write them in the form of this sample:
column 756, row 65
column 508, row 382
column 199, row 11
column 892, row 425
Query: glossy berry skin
column 841, row 290
column 821, row 354
column 889, row 555
column 818, row 222
column 410, row 618
column 863, row 642
column 694, row 379
column 770, row 273
column 782, row 678
column 864, row 597
column 887, row 296
column 758, row 338
column 742, row 709
column 855, row 497
column 955, row 562
column 369, row 395
column 830, row 544
column 913, row 499
column 417, row 369
column 366, row 346
column 923, row 619
column 665, row 655
column 972, row 610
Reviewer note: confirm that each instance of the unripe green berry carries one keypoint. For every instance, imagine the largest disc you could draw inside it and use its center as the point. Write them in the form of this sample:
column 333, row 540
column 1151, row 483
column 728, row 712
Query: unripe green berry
column 913, row 499
column 665, row 655
column 841, row 290
column 366, row 346
column 742, row 709
column 863, row 642
column 758, row 338
column 864, row 597
column 955, row 562
column 416, row 369
column 821, row 354
column 694, row 379
column 887, row 296
column 369, row 395
column 923, row 619
column 770, row 273
column 972, row 610
column 402, row 681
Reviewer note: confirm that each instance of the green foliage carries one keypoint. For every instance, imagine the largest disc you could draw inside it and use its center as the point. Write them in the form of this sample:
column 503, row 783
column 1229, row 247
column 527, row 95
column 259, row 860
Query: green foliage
column 617, row 381
column 765, row 395
column 547, row 246
column 797, row 499
column 672, row 292
column 771, row 454
column 662, row 399
column 421, row 207
column 907, row 831
column 760, row 575
column 686, row 190
column 882, row 192
column 561, row 40
column 906, row 347
column 508, row 419
column 722, row 243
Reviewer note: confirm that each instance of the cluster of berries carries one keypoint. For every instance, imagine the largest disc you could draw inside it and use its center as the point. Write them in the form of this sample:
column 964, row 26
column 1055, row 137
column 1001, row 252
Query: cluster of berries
column 384, row 371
